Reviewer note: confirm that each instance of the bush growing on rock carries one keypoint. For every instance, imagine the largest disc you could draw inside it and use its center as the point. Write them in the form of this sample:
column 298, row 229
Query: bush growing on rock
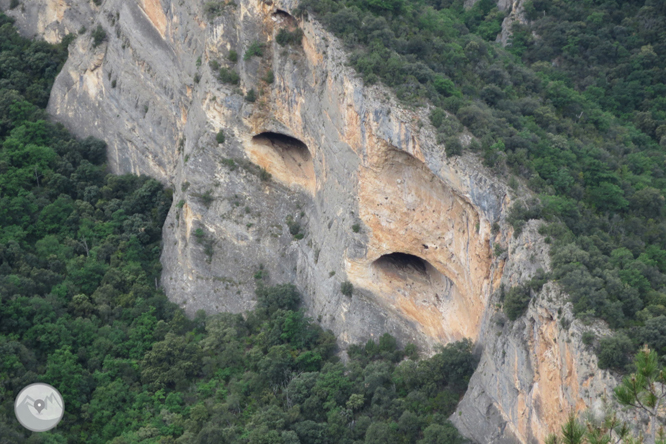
column 285, row 37
column 229, row 76
column 99, row 35
column 255, row 49
column 219, row 137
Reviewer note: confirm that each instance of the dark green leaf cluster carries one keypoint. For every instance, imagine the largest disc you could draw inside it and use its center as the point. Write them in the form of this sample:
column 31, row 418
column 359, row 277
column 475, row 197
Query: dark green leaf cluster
column 518, row 298
column 285, row 37
column 255, row 49
column 98, row 35
column 230, row 76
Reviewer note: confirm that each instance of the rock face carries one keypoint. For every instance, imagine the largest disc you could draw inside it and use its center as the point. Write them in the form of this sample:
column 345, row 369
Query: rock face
column 320, row 180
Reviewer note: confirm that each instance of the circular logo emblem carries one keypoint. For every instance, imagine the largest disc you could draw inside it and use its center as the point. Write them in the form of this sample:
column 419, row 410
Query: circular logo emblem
column 39, row 407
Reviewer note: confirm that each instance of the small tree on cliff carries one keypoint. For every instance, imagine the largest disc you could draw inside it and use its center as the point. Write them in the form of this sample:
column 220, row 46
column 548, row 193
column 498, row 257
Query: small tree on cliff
column 645, row 390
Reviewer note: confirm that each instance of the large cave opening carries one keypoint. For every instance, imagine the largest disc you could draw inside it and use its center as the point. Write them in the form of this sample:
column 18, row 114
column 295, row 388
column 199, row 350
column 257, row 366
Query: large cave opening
column 414, row 278
column 285, row 144
column 285, row 157
column 404, row 263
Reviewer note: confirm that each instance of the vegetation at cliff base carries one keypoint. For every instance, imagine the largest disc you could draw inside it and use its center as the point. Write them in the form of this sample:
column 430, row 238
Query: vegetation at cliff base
column 576, row 110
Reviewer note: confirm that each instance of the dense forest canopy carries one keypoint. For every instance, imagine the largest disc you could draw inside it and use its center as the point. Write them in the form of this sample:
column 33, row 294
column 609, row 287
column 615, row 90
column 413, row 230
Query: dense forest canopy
column 574, row 106
column 80, row 309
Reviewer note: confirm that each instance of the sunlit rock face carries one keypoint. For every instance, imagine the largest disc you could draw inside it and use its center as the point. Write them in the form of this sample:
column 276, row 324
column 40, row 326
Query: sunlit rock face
column 319, row 181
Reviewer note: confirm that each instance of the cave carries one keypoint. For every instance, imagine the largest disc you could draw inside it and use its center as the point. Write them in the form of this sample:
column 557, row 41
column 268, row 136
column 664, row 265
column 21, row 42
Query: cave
column 286, row 158
column 285, row 144
column 403, row 262
column 411, row 275
column 279, row 13
column 284, row 18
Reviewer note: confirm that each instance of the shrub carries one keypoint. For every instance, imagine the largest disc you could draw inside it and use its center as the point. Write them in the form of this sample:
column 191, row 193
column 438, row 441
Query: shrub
column 280, row 297
column 233, row 56
column 214, row 65
column 498, row 250
column 294, row 228
column 346, row 288
column 453, row 147
column 588, row 338
column 13, row 4
column 98, row 36
column 255, row 49
column 356, row 228
column 220, row 136
column 181, row 203
column 206, row 198
column 229, row 76
column 445, row 86
column 518, row 298
column 213, row 9
column 264, row 175
column 229, row 163
column 270, row 77
column 614, row 352
column 113, row 84
column 285, row 37
column 251, row 96
column 437, row 116
column 516, row 301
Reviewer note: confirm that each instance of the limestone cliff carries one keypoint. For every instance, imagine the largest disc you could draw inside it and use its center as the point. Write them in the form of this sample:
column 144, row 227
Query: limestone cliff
column 353, row 174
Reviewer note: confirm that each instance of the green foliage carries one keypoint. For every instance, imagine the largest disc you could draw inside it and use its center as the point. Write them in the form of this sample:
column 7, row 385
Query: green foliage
column 453, row 146
column 229, row 76
column 518, row 298
column 255, row 49
column 269, row 77
column 219, row 137
column 588, row 338
column 233, row 56
column 98, row 35
column 213, row 9
column 285, row 37
column 613, row 352
column 346, row 288
column 640, row 389
column 264, row 175
column 206, row 198
column 13, row 4
column 251, row 96
column 294, row 228
column 356, row 228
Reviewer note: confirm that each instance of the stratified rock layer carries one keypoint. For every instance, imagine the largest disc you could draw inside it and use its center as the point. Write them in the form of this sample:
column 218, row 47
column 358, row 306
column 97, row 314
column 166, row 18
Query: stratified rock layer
column 320, row 180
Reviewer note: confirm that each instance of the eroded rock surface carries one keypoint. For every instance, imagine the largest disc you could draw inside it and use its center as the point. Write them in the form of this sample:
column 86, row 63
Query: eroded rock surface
column 357, row 177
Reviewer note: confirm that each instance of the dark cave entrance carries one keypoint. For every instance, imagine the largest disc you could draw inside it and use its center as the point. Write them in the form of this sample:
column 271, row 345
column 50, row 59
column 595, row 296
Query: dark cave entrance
column 403, row 262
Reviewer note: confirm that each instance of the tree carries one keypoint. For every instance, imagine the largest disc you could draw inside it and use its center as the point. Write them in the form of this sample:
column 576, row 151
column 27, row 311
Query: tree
column 220, row 136
column 572, row 432
column 645, row 389
column 99, row 35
